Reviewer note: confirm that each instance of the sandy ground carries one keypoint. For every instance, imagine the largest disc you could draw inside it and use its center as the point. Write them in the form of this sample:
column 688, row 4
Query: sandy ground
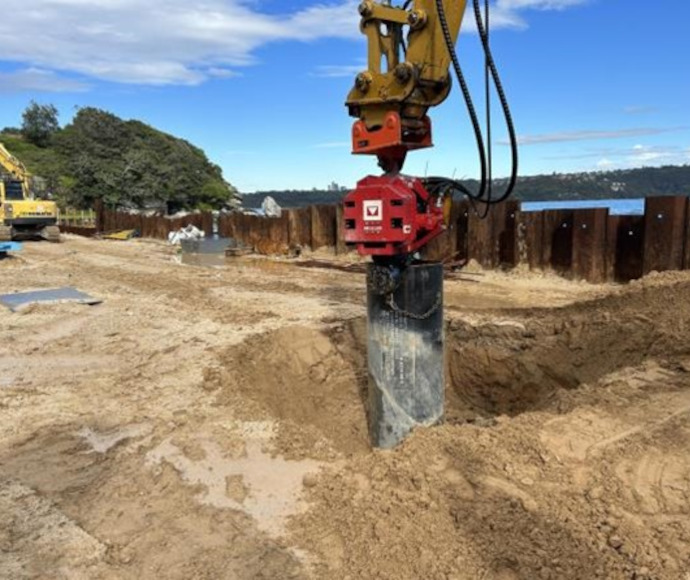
column 208, row 423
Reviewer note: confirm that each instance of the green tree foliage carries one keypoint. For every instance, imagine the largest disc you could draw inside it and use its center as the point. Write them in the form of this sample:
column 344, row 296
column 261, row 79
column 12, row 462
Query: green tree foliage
column 125, row 163
column 128, row 163
column 39, row 123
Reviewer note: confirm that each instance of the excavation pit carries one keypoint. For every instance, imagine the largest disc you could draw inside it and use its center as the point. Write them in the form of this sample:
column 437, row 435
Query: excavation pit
column 316, row 378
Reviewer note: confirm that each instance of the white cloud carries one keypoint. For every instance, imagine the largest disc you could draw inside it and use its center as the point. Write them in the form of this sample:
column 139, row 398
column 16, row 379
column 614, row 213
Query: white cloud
column 506, row 13
column 644, row 155
column 156, row 43
column 538, row 4
column 638, row 110
column 176, row 41
column 35, row 79
column 338, row 70
column 605, row 163
column 592, row 135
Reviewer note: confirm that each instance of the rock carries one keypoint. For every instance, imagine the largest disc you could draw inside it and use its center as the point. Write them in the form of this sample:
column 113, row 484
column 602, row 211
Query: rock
column 615, row 542
column 310, row 480
column 615, row 512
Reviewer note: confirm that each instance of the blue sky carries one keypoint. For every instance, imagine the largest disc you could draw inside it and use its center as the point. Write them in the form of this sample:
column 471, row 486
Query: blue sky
column 260, row 84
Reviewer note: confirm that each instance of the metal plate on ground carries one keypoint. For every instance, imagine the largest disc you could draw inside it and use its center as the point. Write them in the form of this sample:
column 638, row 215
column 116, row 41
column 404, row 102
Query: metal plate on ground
column 9, row 247
column 20, row 300
column 205, row 252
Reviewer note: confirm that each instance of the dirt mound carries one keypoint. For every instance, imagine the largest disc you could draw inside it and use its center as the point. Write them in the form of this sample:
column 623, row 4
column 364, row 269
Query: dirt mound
column 311, row 380
column 597, row 492
column 468, row 502
column 587, row 480
column 510, row 364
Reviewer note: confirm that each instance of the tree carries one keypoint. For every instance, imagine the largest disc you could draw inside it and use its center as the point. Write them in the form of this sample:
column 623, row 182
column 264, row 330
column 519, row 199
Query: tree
column 39, row 123
column 129, row 164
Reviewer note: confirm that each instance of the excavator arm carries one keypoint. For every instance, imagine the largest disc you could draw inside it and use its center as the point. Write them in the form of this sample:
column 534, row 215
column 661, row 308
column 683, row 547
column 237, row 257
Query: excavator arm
column 410, row 50
column 13, row 166
column 407, row 73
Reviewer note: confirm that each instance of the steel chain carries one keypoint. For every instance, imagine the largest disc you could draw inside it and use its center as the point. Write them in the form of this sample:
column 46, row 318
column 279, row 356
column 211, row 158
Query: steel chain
column 394, row 307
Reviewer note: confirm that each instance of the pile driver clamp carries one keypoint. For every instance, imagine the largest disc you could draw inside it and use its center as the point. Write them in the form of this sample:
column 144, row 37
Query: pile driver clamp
column 391, row 217
column 410, row 50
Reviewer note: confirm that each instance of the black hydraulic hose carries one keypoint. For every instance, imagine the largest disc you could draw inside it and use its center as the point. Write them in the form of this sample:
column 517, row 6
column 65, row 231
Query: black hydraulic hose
column 484, row 35
column 487, row 106
column 467, row 97
column 437, row 184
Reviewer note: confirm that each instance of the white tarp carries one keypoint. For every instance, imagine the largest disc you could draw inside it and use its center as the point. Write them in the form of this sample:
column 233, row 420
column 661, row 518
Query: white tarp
column 189, row 232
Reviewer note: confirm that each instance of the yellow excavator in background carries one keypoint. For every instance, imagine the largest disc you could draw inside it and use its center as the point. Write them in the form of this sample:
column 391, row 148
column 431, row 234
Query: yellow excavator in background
column 22, row 216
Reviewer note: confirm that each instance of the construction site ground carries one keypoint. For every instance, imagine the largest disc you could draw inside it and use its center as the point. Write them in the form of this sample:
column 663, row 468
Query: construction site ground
column 210, row 423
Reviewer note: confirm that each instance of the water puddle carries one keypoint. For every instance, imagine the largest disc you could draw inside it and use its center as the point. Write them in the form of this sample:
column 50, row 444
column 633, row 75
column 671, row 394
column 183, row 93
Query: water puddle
column 264, row 487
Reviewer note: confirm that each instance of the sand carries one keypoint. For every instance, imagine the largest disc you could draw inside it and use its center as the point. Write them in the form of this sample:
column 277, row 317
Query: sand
column 209, row 423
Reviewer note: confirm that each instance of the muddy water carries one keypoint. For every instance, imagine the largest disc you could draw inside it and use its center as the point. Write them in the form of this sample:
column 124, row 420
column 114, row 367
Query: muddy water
column 264, row 487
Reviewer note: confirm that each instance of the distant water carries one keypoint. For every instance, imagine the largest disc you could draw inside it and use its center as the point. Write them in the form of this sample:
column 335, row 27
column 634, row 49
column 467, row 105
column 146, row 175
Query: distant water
column 616, row 206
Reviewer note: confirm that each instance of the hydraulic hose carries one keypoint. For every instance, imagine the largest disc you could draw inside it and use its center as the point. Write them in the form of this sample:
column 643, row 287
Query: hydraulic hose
column 484, row 195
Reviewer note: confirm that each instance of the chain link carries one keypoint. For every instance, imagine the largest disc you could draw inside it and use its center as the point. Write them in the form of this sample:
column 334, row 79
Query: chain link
column 394, row 307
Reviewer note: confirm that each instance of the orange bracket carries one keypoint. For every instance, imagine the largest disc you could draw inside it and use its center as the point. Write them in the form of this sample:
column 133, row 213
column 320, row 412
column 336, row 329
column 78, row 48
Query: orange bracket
column 392, row 136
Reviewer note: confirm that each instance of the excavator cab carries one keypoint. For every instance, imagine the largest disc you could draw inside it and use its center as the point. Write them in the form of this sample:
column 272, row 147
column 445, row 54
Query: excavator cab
column 13, row 190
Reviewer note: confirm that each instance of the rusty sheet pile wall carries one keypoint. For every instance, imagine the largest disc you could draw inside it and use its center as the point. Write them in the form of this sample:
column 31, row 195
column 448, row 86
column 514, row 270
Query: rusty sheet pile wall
column 155, row 226
column 310, row 227
column 584, row 244
column 152, row 226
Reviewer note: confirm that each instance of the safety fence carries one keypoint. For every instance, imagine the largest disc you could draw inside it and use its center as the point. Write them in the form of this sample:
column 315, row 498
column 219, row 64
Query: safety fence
column 69, row 217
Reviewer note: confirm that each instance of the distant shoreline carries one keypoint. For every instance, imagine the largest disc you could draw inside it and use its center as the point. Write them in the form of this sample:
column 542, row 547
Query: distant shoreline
column 616, row 206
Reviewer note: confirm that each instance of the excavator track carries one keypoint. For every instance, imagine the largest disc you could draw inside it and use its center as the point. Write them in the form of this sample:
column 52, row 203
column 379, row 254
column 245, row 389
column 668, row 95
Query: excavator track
column 6, row 233
column 51, row 234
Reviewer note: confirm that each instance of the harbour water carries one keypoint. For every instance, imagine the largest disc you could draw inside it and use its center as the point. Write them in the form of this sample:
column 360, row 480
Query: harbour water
column 616, row 206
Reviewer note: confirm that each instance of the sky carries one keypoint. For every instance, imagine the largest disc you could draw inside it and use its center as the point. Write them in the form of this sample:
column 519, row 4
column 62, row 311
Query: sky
column 260, row 85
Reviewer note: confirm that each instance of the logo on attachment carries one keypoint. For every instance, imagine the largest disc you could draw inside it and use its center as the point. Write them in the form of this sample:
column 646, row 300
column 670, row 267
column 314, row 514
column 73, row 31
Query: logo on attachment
column 373, row 211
